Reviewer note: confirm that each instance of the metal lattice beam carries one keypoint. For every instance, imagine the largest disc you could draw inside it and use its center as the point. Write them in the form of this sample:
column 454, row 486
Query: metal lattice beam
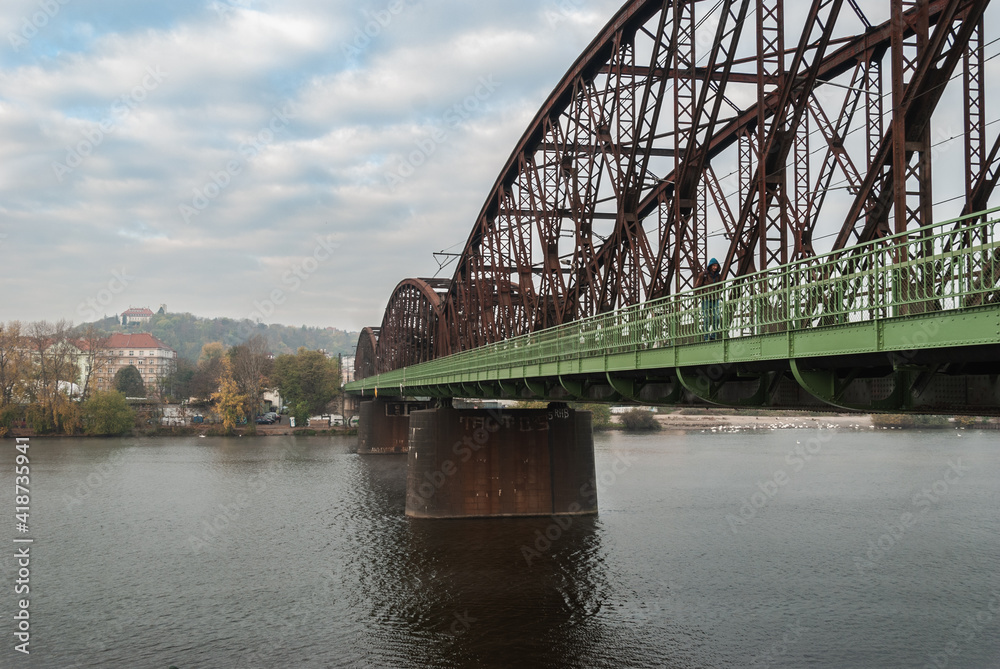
column 640, row 157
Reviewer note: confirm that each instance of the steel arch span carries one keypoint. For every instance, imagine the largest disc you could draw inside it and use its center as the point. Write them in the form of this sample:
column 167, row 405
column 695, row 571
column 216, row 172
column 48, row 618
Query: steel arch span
column 410, row 331
column 365, row 357
column 750, row 130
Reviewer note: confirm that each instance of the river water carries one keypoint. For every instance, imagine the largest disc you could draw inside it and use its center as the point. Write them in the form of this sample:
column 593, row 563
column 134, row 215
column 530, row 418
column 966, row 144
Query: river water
column 791, row 548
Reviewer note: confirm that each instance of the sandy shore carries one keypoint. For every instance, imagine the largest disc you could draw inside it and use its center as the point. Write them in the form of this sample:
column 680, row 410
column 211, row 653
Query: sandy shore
column 716, row 422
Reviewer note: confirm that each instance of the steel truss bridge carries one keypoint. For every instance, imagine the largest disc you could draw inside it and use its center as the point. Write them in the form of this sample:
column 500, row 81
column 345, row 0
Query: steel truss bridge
column 696, row 128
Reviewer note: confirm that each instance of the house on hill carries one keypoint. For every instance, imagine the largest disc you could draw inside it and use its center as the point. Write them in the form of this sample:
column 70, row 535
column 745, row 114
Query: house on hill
column 136, row 315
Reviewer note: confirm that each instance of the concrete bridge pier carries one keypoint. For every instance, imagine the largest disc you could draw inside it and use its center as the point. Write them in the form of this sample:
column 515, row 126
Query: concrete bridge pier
column 466, row 463
column 384, row 425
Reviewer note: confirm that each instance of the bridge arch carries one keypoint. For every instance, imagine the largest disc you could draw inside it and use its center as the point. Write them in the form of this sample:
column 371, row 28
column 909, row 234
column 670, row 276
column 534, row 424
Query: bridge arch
column 410, row 326
column 640, row 165
column 691, row 129
column 365, row 356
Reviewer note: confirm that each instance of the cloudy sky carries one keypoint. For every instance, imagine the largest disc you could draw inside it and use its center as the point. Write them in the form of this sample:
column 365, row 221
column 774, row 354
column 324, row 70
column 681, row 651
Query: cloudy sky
column 212, row 155
column 255, row 158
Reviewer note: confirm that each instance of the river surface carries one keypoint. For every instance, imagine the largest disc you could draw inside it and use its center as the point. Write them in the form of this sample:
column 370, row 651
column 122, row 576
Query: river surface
column 792, row 548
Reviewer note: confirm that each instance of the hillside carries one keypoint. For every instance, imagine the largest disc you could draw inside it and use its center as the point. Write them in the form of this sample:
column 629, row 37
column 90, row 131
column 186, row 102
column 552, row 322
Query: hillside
column 186, row 334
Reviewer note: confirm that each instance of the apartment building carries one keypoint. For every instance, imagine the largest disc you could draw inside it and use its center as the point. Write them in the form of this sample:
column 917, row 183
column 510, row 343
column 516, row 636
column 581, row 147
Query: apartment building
column 154, row 360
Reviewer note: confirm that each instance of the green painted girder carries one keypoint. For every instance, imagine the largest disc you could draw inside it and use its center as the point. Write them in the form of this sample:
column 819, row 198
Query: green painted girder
column 942, row 330
column 828, row 387
column 858, row 301
column 708, row 390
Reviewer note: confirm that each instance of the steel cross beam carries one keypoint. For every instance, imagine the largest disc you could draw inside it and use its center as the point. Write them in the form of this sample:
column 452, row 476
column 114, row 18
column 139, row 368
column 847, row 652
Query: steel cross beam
column 866, row 48
column 607, row 198
column 688, row 255
column 911, row 115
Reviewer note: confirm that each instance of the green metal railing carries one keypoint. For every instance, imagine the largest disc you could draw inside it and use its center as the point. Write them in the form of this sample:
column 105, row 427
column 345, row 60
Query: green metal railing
column 948, row 266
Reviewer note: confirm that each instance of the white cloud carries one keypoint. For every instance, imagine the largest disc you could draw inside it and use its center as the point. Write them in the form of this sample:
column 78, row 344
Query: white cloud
column 361, row 112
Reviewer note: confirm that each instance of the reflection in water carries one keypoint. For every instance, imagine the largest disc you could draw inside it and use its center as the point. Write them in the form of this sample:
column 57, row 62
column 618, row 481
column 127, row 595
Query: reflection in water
column 304, row 558
column 465, row 590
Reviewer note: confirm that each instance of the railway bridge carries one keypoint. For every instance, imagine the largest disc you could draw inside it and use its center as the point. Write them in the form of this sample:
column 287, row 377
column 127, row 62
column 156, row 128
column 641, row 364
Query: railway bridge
column 803, row 159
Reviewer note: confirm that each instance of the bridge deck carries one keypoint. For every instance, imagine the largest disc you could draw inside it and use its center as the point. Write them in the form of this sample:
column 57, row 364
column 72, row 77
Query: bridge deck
column 923, row 302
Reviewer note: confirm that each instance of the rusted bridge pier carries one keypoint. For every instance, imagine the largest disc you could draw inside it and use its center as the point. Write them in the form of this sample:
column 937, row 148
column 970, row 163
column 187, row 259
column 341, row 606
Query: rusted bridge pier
column 482, row 463
column 466, row 463
column 384, row 425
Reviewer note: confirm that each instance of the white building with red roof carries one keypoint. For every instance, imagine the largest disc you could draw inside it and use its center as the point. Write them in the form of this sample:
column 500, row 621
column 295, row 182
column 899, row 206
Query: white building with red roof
column 134, row 315
column 154, row 360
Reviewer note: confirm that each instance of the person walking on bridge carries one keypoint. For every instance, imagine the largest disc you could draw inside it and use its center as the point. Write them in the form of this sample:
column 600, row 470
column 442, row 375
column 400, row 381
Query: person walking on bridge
column 711, row 298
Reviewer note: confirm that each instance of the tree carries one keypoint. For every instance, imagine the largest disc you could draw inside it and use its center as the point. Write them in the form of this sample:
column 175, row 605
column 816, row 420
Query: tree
column 600, row 415
column 639, row 420
column 309, row 377
column 211, row 350
column 107, row 413
column 95, row 355
column 178, row 384
column 229, row 401
column 300, row 412
column 53, row 359
column 251, row 365
column 67, row 417
column 128, row 381
column 14, row 363
column 205, row 380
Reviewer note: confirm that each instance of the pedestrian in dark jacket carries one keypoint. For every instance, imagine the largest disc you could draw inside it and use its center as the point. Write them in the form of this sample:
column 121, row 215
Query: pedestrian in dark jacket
column 711, row 301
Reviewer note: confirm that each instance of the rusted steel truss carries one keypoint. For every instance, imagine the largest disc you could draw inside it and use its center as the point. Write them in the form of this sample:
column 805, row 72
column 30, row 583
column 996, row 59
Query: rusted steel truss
column 751, row 130
column 410, row 332
column 365, row 356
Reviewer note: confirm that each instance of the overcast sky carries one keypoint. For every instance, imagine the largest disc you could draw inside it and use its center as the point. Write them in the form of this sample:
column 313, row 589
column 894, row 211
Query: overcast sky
column 245, row 158
column 204, row 154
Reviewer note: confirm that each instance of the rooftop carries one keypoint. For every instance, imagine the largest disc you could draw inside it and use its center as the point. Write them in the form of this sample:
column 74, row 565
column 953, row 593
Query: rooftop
column 138, row 340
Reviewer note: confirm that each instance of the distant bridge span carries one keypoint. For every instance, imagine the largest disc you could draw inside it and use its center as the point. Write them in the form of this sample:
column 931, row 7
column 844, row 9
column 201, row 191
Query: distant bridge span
column 804, row 159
